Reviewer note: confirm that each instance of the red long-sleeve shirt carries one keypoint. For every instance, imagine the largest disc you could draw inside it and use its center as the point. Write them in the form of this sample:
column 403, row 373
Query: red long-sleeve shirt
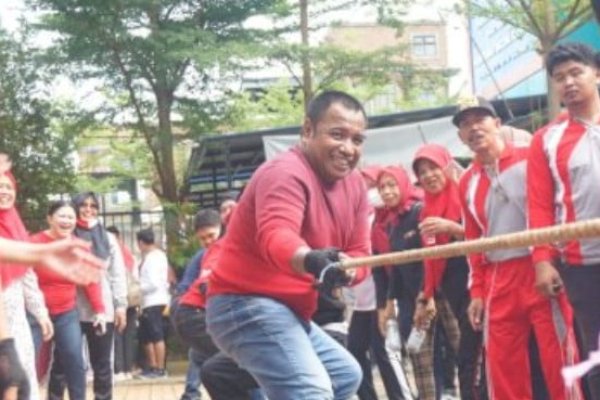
column 494, row 203
column 59, row 293
column 563, row 172
column 194, row 296
column 286, row 206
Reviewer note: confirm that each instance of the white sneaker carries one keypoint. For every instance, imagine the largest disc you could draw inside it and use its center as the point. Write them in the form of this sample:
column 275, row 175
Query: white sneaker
column 120, row 377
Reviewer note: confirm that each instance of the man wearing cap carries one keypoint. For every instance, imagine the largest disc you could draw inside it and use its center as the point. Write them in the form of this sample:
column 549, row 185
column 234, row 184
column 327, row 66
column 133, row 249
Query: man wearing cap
column 504, row 302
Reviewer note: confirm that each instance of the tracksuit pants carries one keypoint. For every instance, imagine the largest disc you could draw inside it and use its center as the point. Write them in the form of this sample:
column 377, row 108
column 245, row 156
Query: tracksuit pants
column 513, row 308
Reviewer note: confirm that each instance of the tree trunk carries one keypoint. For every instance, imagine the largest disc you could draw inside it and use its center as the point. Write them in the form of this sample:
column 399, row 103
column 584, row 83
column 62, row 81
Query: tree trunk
column 596, row 5
column 306, row 67
column 546, row 44
column 553, row 99
column 168, row 177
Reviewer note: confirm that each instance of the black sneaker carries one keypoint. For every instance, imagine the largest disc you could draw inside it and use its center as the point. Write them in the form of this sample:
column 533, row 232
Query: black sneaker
column 160, row 373
column 149, row 373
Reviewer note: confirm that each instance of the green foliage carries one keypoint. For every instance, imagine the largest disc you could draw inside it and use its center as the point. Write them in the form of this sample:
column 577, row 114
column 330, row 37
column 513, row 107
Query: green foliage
column 547, row 20
column 279, row 106
column 159, row 61
column 149, row 54
column 35, row 133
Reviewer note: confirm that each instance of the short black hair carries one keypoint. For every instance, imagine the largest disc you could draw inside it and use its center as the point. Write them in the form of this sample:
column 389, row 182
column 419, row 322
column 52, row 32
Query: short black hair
column 145, row 236
column 114, row 230
column 56, row 205
column 206, row 218
column 564, row 52
column 321, row 103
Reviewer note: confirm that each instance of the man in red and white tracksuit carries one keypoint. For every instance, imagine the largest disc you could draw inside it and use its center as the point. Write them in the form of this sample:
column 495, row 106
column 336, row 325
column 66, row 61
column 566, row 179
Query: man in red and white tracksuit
column 504, row 301
column 563, row 179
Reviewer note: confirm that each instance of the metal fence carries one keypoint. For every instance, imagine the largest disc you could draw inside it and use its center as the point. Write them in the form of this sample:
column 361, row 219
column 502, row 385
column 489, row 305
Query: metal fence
column 129, row 223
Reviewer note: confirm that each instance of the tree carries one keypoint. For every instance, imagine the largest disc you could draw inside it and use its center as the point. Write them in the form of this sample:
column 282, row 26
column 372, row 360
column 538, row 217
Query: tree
column 547, row 20
column 324, row 64
column 157, row 56
column 36, row 134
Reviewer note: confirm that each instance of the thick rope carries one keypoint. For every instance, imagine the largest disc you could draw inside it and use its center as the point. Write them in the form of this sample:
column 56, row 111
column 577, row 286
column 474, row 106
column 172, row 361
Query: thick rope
column 554, row 234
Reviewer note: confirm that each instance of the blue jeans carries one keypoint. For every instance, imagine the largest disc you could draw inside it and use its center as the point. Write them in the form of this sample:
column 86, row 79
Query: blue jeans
column 290, row 358
column 192, row 377
column 68, row 357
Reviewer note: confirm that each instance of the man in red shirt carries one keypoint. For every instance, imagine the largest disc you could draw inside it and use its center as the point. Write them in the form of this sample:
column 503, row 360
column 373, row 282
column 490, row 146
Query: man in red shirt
column 563, row 174
column 300, row 212
column 504, row 302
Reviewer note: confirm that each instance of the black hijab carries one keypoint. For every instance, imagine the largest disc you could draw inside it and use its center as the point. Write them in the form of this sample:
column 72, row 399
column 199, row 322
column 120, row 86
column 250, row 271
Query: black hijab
column 91, row 231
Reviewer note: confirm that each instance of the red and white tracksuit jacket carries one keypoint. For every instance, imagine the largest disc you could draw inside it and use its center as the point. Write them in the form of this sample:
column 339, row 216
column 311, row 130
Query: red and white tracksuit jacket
column 565, row 162
column 494, row 201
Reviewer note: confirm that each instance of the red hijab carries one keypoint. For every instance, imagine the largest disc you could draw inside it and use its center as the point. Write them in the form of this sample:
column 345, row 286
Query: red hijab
column 445, row 204
column 371, row 172
column 388, row 216
column 11, row 227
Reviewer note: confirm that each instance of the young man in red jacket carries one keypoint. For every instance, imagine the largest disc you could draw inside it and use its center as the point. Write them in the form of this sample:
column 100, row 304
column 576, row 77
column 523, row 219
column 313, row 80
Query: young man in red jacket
column 300, row 212
column 504, row 302
column 563, row 177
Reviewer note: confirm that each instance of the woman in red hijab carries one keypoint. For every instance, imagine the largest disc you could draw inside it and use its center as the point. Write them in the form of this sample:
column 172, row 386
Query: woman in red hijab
column 445, row 283
column 396, row 228
column 19, row 286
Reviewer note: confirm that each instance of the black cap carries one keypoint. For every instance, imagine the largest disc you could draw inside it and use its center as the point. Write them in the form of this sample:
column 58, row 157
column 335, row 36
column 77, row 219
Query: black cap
column 472, row 103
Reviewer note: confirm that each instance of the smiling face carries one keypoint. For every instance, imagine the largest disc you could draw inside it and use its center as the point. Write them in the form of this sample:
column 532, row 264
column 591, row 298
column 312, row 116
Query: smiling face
column 575, row 82
column 7, row 193
column 431, row 177
column 88, row 210
column 478, row 129
column 389, row 190
column 62, row 222
column 333, row 145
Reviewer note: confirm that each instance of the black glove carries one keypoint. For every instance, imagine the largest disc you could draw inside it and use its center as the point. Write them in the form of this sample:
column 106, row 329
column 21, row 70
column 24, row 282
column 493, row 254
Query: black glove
column 315, row 261
column 11, row 371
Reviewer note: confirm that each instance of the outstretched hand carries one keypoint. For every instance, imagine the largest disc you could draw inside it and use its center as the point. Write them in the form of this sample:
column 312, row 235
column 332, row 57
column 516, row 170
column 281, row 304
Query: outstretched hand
column 71, row 259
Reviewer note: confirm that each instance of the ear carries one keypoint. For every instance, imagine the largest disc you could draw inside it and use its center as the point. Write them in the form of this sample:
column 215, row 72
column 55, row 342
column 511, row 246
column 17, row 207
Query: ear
column 498, row 123
column 463, row 141
column 307, row 129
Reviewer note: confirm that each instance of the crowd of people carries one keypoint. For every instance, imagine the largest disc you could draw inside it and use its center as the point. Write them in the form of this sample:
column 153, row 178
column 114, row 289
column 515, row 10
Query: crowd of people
column 268, row 314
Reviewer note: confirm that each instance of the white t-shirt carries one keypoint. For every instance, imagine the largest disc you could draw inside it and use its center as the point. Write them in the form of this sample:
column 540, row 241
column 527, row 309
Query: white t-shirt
column 154, row 279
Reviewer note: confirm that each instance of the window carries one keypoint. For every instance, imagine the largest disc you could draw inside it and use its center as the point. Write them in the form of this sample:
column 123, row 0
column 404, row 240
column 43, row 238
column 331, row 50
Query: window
column 424, row 46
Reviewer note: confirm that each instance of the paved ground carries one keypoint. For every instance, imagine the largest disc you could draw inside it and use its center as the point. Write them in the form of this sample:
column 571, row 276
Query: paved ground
column 170, row 388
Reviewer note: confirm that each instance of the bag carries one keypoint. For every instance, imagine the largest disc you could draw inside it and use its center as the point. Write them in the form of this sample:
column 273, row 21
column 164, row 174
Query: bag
column 134, row 291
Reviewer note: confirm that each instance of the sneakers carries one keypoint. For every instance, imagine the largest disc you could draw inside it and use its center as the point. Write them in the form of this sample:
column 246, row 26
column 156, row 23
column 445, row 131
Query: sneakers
column 160, row 373
column 187, row 396
column 450, row 394
column 121, row 376
column 152, row 373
